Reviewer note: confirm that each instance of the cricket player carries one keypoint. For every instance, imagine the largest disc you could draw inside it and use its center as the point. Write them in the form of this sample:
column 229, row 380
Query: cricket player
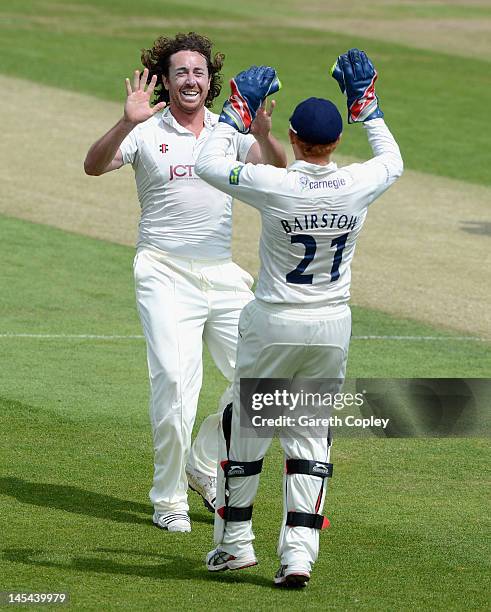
column 187, row 287
column 299, row 323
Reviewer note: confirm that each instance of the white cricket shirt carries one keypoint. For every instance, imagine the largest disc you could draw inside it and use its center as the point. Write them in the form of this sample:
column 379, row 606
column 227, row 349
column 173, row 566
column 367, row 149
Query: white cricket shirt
column 311, row 215
column 180, row 213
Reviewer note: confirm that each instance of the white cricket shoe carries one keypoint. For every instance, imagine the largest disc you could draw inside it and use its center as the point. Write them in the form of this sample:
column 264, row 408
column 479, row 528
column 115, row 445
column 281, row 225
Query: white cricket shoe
column 172, row 521
column 293, row 579
column 204, row 485
column 218, row 560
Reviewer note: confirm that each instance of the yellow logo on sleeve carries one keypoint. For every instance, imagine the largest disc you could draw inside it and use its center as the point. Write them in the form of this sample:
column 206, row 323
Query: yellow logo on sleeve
column 233, row 179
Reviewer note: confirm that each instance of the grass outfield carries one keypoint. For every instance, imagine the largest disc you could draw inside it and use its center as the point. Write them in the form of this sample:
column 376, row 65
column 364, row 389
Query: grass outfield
column 90, row 46
column 408, row 523
column 408, row 528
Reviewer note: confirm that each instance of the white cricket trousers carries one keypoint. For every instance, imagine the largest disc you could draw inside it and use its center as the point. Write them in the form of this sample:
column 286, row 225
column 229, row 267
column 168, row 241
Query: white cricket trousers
column 280, row 342
column 182, row 302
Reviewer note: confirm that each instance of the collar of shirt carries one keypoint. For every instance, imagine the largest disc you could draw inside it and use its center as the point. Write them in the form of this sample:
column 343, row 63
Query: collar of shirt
column 167, row 117
column 302, row 166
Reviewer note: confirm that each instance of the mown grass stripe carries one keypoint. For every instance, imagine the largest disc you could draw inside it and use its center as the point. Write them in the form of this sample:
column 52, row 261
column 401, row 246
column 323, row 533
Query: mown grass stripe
column 34, row 41
column 140, row 337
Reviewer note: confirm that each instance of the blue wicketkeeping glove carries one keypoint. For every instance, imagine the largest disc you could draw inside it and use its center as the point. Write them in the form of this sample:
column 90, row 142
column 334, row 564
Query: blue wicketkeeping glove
column 356, row 77
column 249, row 90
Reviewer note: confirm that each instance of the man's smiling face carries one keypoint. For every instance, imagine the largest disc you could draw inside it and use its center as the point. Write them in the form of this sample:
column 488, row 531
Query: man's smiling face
column 188, row 82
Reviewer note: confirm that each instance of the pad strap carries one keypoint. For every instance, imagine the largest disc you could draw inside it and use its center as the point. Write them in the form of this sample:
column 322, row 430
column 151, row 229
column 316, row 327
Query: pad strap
column 303, row 519
column 232, row 513
column 241, row 468
column 311, row 468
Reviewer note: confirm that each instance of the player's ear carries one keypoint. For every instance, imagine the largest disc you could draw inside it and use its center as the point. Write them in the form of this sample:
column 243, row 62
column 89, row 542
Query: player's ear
column 165, row 81
column 334, row 144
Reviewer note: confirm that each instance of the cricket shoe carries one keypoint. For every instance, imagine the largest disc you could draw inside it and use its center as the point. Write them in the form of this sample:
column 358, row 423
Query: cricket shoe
column 172, row 521
column 294, row 579
column 204, row 485
column 218, row 560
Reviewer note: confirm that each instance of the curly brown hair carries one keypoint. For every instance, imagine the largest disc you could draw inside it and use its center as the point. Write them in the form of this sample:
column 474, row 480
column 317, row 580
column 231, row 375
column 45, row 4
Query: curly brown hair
column 157, row 60
column 316, row 150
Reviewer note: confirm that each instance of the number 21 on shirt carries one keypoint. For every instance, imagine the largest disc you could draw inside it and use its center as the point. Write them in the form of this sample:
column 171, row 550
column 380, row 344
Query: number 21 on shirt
column 298, row 276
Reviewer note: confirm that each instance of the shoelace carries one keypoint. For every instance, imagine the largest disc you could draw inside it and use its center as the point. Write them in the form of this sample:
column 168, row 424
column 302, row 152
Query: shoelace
column 221, row 556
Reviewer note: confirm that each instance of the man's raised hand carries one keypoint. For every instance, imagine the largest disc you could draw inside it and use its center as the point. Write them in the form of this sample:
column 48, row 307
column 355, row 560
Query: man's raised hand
column 261, row 126
column 137, row 106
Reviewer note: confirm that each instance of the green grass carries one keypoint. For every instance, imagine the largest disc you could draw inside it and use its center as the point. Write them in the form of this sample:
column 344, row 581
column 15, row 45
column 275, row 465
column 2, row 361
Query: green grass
column 75, row 506
column 408, row 521
column 408, row 515
column 429, row 98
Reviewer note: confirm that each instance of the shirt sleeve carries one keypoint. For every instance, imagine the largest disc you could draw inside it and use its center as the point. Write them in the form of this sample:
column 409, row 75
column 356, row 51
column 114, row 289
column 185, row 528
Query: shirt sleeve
column 245, row 142
column 129, row 147
column 251, row 183
column 386, row 165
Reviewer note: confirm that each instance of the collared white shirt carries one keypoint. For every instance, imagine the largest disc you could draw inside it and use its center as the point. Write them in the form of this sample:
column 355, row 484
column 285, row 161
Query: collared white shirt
column 180, row 213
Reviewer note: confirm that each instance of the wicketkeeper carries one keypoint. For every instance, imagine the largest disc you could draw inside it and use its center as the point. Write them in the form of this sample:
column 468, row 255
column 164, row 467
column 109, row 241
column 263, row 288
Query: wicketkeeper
column 299, row 323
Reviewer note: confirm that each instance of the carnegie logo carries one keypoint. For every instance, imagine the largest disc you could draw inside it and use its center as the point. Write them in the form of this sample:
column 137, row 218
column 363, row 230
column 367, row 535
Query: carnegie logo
column 329, row 184
column 233, row 178
column 181, row 171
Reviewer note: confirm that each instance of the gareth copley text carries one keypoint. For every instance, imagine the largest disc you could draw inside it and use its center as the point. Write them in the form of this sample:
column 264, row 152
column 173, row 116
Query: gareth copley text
column 309, row 421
